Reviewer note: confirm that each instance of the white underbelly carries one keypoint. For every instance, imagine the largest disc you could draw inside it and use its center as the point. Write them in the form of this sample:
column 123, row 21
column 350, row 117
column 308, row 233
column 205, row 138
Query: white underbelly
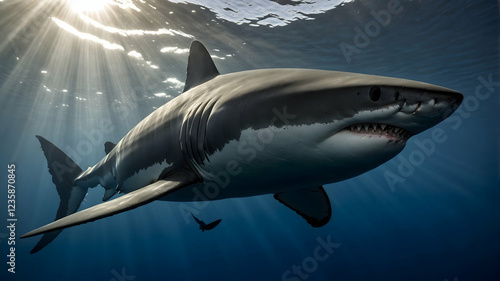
column 260, row 162
column 144, row 177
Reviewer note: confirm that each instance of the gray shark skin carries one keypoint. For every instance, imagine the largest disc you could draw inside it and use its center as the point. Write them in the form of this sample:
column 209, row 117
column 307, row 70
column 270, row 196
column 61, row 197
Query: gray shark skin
column 285, row 132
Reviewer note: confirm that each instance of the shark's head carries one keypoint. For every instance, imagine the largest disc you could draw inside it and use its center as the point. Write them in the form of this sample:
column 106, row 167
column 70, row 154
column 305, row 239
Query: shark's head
column 349, row 122
column 363, row 120
column 327, row 124
column 387, row 112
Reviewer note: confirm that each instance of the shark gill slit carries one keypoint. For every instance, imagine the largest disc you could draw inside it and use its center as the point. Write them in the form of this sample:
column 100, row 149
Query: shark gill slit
column 198, row 140
column 185, row 146
column 201, row 132
column 194, row 122
column 202, row 141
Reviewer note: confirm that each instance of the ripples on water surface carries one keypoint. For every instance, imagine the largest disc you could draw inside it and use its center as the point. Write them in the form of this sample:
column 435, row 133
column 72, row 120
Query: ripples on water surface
column 67, row 65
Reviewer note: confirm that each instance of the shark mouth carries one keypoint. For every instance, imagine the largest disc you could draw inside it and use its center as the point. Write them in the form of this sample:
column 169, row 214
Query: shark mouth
column 380, row 130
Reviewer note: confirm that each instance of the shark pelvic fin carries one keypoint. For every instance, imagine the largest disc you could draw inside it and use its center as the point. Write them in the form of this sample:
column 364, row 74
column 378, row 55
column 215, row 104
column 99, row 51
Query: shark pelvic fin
column 311, row 203
column 201, row 67
column 124, row 203
column 108, row 193
column 108, row 146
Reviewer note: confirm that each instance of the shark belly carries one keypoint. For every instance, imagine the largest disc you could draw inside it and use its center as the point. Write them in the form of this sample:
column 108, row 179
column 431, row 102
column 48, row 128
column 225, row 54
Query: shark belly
column 144, row 177
column 261, row 162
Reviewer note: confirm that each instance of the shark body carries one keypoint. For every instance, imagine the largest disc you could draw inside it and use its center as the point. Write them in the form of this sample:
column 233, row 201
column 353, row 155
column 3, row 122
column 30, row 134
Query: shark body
column 285, row 132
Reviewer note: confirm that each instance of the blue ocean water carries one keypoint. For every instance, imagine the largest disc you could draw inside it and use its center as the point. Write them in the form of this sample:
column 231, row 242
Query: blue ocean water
column 65, row 67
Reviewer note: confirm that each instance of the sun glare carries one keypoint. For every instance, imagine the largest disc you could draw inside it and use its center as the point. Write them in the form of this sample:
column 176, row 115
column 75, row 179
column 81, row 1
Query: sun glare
column 88, row 5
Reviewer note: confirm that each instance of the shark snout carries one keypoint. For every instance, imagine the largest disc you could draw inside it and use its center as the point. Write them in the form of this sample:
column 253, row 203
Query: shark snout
column 420, row 109
column 453, row 98
column 401, row 111
column 450, row 98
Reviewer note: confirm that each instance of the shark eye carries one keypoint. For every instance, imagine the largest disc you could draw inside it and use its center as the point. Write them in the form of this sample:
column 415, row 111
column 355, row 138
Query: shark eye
column 375, row 93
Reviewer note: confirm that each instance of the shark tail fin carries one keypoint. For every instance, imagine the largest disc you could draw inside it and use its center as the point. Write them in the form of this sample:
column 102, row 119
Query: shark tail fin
column 64, row 171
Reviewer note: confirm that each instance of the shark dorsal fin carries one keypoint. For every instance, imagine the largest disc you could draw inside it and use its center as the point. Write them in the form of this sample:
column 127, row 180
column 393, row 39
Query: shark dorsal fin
column 201, row 67
column 108, row 146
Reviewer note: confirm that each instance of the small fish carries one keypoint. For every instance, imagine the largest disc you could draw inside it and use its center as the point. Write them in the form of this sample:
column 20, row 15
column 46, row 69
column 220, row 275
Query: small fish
column 204, row 226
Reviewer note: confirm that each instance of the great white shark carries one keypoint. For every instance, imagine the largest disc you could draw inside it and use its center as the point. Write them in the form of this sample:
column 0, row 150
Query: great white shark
column 285, row 132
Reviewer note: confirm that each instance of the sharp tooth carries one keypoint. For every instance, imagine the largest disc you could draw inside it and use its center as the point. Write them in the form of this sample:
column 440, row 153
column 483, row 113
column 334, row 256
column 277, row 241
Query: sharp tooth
column 382, row 126
column 367, row 126
column 396, row 130
column 359, row 128
column 374, row 127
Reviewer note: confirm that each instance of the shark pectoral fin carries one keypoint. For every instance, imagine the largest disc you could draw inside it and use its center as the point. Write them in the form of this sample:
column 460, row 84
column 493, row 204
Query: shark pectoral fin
column 126, row 202
column 310, row 203
column 108, row 146
column 70, row 207
column 201, row 67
